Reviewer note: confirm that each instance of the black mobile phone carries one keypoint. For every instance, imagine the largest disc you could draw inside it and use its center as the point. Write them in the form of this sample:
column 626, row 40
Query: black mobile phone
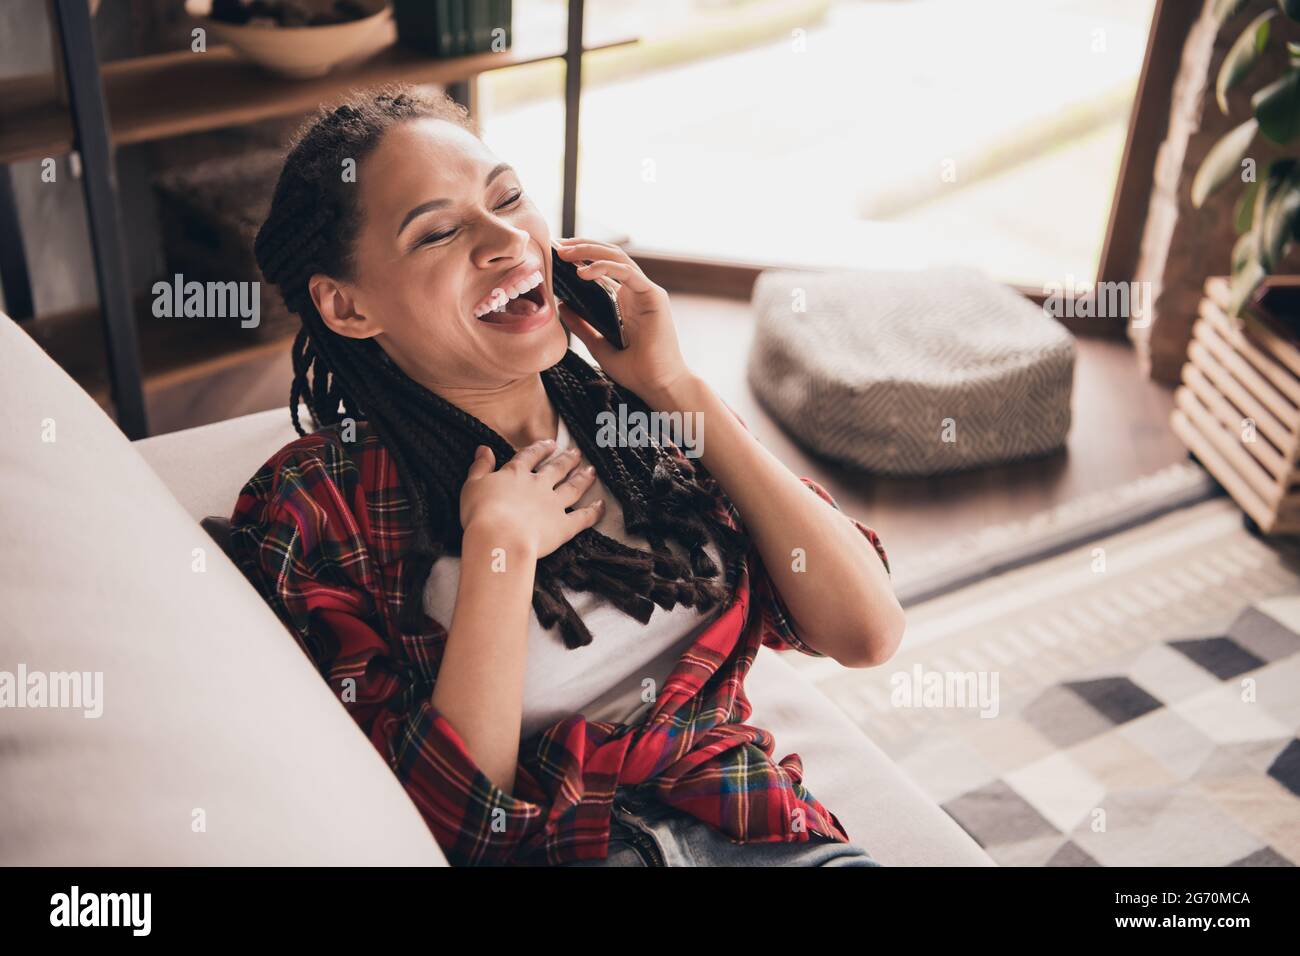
column 593, row 299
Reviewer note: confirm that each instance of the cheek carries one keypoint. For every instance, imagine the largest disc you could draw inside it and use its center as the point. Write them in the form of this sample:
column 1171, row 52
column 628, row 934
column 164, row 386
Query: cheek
column 428, row 293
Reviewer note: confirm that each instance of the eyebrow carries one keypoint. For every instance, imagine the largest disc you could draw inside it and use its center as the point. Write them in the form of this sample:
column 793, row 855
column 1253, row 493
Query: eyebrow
column 424, row 207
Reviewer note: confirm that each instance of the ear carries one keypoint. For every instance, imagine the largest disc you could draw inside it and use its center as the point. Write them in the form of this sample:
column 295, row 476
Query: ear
column 337, row 306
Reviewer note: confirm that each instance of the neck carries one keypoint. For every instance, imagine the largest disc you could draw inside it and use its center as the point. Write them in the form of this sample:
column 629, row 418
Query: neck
column 519, row 411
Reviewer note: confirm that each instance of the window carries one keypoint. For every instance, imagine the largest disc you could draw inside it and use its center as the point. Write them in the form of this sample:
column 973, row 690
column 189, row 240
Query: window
column 845, row 133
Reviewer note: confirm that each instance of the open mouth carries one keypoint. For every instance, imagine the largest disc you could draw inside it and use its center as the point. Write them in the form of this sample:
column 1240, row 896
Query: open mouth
column 520, row 307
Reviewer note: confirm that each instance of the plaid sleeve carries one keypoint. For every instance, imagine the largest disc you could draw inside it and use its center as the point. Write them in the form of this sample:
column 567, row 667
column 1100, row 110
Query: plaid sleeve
column 778, row 629
column 300, row 544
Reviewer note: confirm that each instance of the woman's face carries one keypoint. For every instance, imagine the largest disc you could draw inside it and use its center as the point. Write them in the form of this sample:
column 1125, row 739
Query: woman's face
column 443, row 225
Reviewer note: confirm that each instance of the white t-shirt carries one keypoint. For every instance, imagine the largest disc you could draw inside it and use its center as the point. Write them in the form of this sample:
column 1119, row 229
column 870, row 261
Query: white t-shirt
column 619, row 674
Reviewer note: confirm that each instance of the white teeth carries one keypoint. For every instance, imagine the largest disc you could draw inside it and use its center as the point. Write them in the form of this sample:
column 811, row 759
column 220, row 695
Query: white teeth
column 497, row 301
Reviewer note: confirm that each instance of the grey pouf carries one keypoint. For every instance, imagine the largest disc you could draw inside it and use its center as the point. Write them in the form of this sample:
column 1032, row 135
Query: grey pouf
column 910, row 373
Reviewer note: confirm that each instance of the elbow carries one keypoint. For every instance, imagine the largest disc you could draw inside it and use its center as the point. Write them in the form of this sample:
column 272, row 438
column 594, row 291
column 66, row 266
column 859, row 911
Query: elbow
column 876, row 641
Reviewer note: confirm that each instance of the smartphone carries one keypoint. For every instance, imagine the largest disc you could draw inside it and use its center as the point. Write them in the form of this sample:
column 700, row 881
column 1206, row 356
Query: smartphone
column 595, row 300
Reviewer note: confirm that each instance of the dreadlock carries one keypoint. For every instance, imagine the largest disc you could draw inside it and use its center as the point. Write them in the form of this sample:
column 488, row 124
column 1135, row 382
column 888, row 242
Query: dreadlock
column 310, row 228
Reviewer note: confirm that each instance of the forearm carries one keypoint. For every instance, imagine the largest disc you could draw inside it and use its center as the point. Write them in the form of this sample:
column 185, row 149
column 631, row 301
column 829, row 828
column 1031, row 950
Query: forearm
column 481, row 678
column 839, row 596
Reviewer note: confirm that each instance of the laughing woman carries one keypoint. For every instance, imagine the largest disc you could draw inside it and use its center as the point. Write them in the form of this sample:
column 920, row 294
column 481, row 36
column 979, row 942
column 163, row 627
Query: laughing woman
column 545, row 634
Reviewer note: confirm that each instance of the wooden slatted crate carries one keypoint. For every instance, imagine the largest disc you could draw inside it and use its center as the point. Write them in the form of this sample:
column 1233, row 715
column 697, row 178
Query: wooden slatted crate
column 1238, row 409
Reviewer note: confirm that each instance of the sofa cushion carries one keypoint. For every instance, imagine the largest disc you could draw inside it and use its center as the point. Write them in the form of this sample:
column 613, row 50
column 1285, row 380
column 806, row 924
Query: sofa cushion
column 216, row 741
column 879, row 806
column 206, row 466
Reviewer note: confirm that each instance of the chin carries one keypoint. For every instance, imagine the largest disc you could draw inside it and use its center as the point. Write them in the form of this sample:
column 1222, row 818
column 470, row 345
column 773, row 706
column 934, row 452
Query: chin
column 547, row 348
column 554, row 348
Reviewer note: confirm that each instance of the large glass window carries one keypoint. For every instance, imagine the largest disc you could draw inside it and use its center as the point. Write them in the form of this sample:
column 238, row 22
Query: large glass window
column 842, row 133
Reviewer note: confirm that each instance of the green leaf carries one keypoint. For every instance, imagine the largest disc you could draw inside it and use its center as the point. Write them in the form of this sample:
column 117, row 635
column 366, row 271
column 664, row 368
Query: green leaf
column 1244, row 214
column 1243, row 56
column 1243, row 251
column 1276, row 210
column 1263, row 196
column 1277, row 107
column 1291, row 8
column 1222, row 161
column 1244, row 285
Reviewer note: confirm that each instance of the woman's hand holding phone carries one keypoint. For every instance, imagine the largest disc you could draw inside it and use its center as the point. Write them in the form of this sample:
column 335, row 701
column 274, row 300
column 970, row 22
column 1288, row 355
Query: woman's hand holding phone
column 652, row 364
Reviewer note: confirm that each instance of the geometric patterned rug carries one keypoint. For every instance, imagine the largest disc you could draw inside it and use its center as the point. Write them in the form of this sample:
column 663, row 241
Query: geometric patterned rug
column 1134, row 701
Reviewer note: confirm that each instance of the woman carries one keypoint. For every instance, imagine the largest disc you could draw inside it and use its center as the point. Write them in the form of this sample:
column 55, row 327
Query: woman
column 545, row 634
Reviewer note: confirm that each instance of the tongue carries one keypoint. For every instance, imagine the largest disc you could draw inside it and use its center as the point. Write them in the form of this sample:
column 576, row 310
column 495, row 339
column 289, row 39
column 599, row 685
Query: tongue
column 521, row 305
column 516, row 308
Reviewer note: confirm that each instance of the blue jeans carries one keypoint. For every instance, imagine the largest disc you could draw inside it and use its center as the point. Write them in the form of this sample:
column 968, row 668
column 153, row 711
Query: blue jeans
column 646, row 832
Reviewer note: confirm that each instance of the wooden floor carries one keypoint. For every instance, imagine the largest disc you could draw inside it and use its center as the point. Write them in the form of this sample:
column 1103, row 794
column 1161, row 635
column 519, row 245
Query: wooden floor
column 1120, row 432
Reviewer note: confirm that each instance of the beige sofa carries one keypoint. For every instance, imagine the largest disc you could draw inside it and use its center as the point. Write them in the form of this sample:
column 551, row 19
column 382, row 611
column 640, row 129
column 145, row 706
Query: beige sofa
column 217, row 741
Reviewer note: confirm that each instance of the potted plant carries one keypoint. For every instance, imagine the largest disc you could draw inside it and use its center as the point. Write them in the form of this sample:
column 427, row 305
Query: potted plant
column 1267, row 216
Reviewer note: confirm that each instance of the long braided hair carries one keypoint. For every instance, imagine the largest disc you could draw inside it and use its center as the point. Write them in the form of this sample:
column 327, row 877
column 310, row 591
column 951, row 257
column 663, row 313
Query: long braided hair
column 310, row 228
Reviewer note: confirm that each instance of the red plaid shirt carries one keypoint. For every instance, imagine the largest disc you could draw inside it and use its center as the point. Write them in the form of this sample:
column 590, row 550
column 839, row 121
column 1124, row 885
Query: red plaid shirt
column 321, row 529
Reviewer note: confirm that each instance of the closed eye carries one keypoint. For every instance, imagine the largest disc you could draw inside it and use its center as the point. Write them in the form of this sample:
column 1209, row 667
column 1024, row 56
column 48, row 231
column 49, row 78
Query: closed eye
column 439, row 236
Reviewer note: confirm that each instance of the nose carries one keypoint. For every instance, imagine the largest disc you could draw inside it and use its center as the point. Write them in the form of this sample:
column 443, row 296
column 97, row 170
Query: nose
column 501, row 244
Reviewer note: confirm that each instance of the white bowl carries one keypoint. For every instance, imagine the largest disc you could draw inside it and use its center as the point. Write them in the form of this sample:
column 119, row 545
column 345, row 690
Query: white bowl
column 302, row 52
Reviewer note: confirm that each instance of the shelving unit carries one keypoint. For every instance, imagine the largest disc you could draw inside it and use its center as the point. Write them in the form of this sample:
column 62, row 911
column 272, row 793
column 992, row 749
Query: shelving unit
column 173, row 94
column 171, row 353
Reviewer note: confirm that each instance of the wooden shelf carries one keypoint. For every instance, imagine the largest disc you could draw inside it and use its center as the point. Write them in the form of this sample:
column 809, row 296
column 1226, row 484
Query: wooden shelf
column 172, row 94
column 172, row 351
